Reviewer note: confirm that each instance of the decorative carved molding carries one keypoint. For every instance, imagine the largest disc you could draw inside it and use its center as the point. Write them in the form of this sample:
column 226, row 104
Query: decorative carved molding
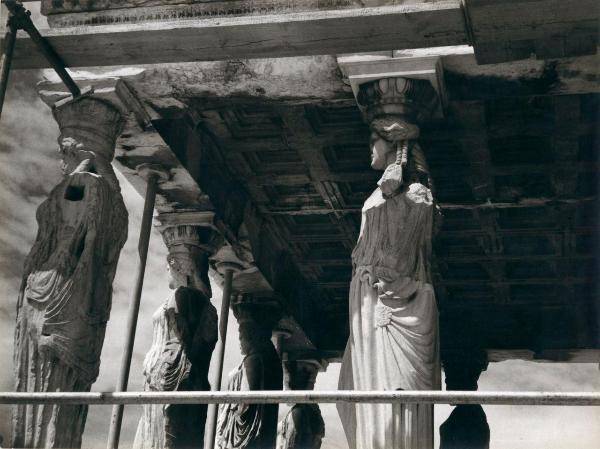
column 65, row 297
column 101, row 12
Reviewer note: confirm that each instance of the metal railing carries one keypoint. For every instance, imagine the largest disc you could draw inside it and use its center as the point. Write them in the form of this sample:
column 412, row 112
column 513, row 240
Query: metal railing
column 309, row 397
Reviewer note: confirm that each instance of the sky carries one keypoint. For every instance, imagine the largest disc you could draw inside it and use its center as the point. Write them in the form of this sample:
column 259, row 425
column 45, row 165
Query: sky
column 29, row 168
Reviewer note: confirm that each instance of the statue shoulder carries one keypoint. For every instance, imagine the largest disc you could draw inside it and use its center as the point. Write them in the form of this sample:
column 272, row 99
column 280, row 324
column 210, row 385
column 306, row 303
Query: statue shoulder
column 376, row 199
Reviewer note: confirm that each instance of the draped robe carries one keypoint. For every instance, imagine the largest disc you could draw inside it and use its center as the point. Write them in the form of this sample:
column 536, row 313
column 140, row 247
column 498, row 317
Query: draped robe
column 184, row 337
column 393, row 341
column 251, row 426
column 64, row 304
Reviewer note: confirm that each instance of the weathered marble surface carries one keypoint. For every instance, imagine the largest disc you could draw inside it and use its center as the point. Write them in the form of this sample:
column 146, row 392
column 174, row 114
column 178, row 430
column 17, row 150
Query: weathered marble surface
column 65, row 296
column 252, row 426
column 223, row 6
column 393, row 340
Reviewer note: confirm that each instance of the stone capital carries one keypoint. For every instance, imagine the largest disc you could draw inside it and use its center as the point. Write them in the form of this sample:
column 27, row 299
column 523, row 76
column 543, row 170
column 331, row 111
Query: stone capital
column 190, row 239
column 91, row 121
column 412, row 99
column 189, row 229
column 390, row 84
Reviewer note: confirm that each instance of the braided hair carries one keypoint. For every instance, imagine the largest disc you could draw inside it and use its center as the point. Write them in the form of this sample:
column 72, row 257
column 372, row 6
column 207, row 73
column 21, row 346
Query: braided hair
column 409, row 155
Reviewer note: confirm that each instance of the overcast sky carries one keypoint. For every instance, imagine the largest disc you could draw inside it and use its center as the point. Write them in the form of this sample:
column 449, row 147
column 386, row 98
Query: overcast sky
column 29, row 168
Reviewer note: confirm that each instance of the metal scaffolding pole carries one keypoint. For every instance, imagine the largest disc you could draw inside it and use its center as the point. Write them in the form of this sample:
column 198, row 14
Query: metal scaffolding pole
column 56, row 62
column 20, row 18
column 538, row 398
column 7, row 55
column 134, row 308
column 211, row 419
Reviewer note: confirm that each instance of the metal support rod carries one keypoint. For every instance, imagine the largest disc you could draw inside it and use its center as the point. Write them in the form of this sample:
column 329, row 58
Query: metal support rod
column 211, row 419
column 310, row 397
column 10, row 39
column 25, row 23
column 134, row 308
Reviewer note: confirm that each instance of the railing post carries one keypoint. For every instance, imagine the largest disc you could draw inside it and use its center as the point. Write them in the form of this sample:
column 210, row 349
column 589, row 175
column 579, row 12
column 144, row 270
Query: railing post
column 213, row 409
column 134, row 307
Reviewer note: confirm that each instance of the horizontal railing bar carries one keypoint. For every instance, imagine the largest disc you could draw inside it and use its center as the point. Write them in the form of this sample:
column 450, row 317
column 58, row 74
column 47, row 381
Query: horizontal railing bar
column 307, row 397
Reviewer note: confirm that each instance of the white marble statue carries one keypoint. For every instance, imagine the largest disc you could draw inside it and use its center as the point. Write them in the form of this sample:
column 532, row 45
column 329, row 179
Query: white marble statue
column 393, row 342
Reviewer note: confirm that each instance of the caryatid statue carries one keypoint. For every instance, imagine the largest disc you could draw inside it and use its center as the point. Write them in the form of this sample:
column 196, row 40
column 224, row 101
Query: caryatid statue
column 467, row 426
column 66, row 292
column 252, row 426
column 184, row 336
column 303, row 426
column 393, row 343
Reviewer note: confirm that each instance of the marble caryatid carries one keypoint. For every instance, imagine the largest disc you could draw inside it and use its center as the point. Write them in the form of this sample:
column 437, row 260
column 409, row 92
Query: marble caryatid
column 252, row 426
column 303, row 426
column 393, row 343
column 467, row 426
column 184, row 336
column 65, row 296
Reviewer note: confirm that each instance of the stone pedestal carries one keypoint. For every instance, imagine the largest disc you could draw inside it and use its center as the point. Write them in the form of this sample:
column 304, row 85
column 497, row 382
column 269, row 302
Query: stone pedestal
column 303, row 426
column 467, row 426
column 66, row 292
column 252, row 426
column 185, row 334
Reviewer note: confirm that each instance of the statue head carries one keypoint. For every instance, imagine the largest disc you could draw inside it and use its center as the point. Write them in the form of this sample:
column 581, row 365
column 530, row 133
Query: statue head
column 388, row 133
column 301, row 374
column 74, row 156
column 180, row 267
column 187, row 261
column 256, row 320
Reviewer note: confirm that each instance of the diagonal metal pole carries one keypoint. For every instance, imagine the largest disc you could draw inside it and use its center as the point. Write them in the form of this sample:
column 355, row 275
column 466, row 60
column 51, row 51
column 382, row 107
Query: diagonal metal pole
column 24, row 21
column 211, row 419
column 10, row 39
column 134, row 308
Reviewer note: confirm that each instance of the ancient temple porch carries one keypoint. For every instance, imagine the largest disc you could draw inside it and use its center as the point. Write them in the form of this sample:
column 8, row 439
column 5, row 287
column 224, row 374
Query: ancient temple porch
column 515, row 170
column 266, row 150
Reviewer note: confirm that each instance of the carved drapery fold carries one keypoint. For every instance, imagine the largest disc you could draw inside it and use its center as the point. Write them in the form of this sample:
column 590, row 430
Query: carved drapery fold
column 252, row 426
column 66, row 291
column 185, row 334
column 303, row 426
column 394, row 341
